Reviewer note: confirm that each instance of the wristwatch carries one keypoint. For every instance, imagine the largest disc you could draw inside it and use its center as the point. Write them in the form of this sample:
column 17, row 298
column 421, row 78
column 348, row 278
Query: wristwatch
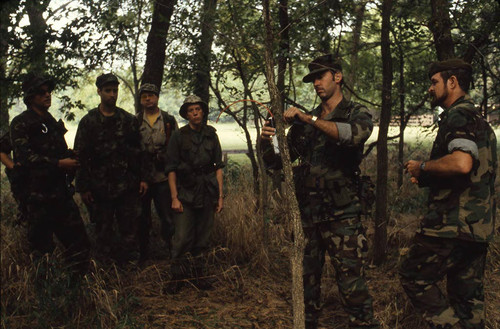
column 422, row 166
column 313, row 119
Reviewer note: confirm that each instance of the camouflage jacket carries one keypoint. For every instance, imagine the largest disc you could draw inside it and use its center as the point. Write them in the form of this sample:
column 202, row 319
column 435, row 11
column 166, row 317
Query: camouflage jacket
column 38, row 144
column 325, row 179
column 195, row 156
column 462, row 206
column 112, row 158
column 155, row 139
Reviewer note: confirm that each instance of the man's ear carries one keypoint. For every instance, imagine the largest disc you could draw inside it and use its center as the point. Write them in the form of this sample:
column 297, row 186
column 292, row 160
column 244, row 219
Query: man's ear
column 452, row 82
column 338, row 76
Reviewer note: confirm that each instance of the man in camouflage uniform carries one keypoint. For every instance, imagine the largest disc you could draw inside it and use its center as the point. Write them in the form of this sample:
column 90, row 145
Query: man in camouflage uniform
column 112, row 175
column 195, row 178
column 329, row 145
column 43, row 165
column 453, row 237
column 156, row 128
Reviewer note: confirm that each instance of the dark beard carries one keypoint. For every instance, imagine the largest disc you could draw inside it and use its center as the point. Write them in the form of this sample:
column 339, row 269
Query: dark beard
column 438, row 101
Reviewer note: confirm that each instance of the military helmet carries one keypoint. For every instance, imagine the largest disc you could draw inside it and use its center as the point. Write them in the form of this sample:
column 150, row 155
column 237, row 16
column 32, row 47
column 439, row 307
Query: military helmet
column 32, row 83
column 193, row 99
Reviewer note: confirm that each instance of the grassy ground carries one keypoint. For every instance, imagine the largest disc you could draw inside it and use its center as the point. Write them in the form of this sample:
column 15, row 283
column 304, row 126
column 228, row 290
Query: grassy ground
column 249, row 264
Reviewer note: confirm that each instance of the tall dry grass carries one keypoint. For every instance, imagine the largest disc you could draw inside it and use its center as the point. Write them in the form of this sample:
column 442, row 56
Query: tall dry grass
column 249, row 264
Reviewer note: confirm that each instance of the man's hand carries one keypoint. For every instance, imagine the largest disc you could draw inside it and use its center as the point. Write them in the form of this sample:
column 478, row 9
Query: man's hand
column 294, row 113
column 267, row 132
column 413, row 168
column 87, row 197
column 220, row 205
column 177, row 205
column 68, row 164
column 143, row 188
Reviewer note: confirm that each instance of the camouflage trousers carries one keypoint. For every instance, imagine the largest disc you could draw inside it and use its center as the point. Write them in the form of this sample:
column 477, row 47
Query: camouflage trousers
column 193, row 228
column 428, row 261
column 126, row 210
column 60, row 218
column 346, row 244
column 159, row 193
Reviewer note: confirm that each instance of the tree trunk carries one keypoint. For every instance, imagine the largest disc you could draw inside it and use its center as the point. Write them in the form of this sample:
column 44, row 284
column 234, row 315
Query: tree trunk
column 289, row 191
column 38, row 32
column 440, row 26
column 402, row 122
column 284, row 47
column 357, row 27
column 6, row 83
column 380, row 240
column 156, row 42
column 201, row 81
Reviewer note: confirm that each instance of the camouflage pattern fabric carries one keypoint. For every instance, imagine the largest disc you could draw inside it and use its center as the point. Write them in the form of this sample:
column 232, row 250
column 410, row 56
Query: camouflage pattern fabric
column 126, row 209
column 454, row 233
column 62, row 219
column 428, row 261
column 111, row 155
column 38, row 144
column 46, row 199
column 112, row 164
column 347, row 246
column 326, row 187
column 462, row 206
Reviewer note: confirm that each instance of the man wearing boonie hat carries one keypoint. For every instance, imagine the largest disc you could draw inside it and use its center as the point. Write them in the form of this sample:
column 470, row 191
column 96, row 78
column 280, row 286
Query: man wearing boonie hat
column 329, row 144
column 453, row 237
column 156, row 128
column 43, row 167
column 195, row 178
column 113, row 175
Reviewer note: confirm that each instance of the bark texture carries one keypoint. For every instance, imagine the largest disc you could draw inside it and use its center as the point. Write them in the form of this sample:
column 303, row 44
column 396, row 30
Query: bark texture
column 289, row 191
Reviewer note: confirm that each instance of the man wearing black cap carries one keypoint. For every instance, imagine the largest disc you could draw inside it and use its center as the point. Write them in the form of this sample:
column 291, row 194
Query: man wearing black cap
column 43, row 163
column 156, row 128
column 112, row 176
column 329, row 144
column 195, row 178
column 453, row 238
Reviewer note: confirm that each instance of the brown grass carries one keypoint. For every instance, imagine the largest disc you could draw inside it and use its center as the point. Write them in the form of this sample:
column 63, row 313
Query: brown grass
column 249, row 265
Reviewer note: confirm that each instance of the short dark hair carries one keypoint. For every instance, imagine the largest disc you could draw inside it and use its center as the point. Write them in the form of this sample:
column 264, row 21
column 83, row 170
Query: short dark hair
column 464, row 77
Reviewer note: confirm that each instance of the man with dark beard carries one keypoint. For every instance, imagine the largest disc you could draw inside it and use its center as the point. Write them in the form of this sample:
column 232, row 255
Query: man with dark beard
column 453, row 238
column 112, row 176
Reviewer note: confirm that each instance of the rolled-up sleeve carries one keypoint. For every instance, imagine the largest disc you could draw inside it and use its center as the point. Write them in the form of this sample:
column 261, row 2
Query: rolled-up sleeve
column 358, row 129
column 218, row 154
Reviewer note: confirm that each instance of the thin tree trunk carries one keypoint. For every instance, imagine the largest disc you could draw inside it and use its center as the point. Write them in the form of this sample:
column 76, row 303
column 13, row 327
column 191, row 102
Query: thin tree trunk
column 156, row 42
column 38, row 32
column 289, row 191
column 284, row 47
column 357, row 27
column 201, row 82
column 380, row 240
column 440, row 26
column 402, row 123
column 6, row 9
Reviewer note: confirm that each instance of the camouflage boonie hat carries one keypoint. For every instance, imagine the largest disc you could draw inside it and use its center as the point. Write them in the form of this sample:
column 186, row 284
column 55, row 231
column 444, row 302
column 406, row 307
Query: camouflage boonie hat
column 450, row 64
column 149, row 87
column 106, row 78
column 32, row 83
column 193, row 99
column 322, row 64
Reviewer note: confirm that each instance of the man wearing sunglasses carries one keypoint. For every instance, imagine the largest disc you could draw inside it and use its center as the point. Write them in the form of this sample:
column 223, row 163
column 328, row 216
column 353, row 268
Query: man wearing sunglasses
column 46, row 165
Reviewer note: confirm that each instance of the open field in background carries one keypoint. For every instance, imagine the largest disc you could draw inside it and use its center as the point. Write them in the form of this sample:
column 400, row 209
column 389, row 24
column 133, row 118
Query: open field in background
column 249, row 263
